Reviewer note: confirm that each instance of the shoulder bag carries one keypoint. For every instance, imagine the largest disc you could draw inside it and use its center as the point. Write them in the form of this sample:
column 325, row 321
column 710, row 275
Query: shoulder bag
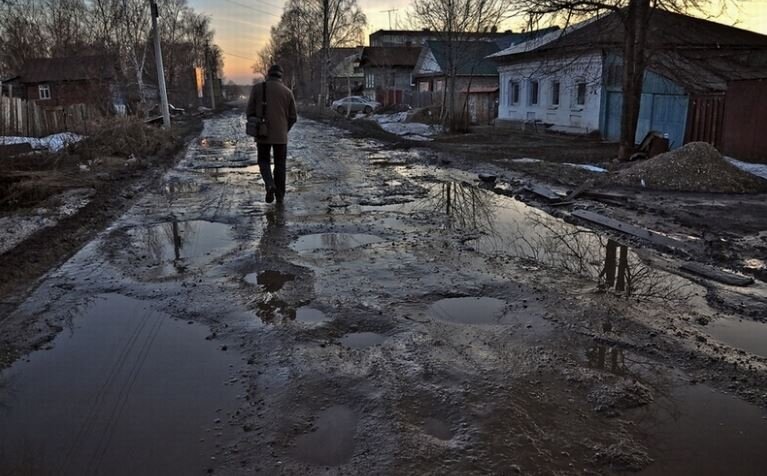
column 257, row 126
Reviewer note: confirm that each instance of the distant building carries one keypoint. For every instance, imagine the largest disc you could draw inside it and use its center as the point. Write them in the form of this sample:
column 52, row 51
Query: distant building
column 344, row 72
column 388, row 72
column 390, row 38
column 346, row 76
column 571, row 80
column 54, row 82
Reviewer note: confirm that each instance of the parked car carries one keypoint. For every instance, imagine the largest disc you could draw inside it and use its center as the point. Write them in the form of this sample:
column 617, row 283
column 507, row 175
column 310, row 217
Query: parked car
column 355, row 104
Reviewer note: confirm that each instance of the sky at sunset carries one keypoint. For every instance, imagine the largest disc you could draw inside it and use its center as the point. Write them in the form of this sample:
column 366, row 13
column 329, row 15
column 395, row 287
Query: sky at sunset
column 242, row 26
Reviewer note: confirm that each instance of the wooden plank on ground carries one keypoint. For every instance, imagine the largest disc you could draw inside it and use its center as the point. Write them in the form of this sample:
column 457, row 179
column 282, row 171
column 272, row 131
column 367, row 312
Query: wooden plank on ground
column 717, row 275
column 607, row 195
column 543, row 191
column 633, row 230
column 582, row 188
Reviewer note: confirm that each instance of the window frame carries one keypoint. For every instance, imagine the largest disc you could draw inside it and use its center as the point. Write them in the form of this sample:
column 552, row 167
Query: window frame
column 578, row 84
column 514, row 92
column 530, row 89
column 44, row 87
column 555, row 99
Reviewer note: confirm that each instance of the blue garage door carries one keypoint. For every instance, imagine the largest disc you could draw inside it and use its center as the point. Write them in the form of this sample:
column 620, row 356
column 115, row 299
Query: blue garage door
column 664, row 113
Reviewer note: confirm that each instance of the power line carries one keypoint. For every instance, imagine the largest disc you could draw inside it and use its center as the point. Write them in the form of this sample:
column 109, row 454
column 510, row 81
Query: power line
column 263, row 12
column 238, row 56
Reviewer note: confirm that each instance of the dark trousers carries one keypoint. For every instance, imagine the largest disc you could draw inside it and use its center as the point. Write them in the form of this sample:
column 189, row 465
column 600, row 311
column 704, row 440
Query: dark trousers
column 277, row 182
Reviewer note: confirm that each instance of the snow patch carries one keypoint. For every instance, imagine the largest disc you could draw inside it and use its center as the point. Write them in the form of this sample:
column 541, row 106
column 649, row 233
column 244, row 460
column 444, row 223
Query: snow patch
column 760, row 170
column 589, row 167
column 17, row 227
column 53, row 143
column 397, row 124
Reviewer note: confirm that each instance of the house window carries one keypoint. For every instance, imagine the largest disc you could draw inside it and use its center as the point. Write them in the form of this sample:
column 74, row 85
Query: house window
column 555, row 93
column 370, row 81
column 44, row 91
column 513, row 93
column 533, row 93
column 423, row 86
column 439, row 85
column 580, row 93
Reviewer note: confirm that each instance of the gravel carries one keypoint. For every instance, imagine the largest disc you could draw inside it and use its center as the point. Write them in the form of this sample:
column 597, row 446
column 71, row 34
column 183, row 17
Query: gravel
column 695, row 167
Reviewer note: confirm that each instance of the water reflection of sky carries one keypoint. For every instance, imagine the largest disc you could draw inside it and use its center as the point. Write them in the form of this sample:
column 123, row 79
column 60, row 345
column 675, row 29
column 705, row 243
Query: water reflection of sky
column 497, row 224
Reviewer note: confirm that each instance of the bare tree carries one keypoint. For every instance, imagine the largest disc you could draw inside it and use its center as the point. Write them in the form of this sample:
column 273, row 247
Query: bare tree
column 21, row 34
column 454, row 22
column 342, row 25
column 309, row 29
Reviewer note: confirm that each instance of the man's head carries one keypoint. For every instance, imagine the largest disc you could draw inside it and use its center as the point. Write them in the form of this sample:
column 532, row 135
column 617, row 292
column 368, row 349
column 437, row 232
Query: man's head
column 276, row 71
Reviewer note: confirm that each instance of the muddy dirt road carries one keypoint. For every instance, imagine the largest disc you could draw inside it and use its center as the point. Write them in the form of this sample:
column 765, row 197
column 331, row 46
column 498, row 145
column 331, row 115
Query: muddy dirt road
column 391, row 318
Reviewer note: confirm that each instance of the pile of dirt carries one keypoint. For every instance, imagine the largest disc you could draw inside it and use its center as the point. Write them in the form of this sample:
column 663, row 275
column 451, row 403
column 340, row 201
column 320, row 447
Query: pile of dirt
column 695, row 167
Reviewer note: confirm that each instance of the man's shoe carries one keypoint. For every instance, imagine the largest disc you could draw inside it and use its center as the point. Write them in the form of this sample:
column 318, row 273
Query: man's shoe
column 280, row 197
column 269, row 195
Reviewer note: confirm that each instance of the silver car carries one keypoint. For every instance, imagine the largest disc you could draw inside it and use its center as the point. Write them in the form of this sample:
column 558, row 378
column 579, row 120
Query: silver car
column 355, row 104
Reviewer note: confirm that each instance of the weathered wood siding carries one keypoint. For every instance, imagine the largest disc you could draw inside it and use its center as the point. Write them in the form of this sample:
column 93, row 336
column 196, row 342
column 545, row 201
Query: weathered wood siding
column 19, row 117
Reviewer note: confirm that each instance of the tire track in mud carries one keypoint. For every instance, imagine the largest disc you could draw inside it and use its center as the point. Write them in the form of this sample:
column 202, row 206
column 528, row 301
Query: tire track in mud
column 111, row 381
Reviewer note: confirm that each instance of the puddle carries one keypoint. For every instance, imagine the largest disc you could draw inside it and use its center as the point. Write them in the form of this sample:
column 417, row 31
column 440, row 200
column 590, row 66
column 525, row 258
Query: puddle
column 179, row 244
column 706, row 433
column 362, row 340
column 332, row 443
column 126, row 390
column 333, row 241
column 470, row 310
column 438, row 429
column 272, row 281
column 308, row 315
column 605, row 357
column 501, row 225
column 743, row 334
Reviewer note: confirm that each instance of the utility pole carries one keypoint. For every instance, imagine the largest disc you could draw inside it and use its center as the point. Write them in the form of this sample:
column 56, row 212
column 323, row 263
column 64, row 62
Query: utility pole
column 323, row 99
column 393, row 10
column 160, row 69
column 210, row 75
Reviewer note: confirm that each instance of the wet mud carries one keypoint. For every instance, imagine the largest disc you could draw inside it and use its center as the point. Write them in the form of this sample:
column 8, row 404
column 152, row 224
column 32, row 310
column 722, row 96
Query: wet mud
column 397, row 318
column 123, row 380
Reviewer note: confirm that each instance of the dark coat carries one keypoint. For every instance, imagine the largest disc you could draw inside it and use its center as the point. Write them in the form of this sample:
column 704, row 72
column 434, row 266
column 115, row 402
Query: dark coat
column 280, row 109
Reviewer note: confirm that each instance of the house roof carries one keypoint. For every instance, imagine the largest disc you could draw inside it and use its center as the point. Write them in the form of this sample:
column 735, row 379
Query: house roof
column 416, row 33
column 72, row 68
column 389, row 56
column 705, row 73
column 470, row 56
column 666, row 30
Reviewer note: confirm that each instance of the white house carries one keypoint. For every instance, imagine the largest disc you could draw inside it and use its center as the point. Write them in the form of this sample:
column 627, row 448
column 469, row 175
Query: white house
column 571, row 80
column 562, row 91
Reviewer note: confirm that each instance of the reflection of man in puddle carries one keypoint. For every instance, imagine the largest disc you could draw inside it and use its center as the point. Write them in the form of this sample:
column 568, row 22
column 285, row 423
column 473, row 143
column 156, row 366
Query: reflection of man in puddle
column 273, row 101
column 271, row 308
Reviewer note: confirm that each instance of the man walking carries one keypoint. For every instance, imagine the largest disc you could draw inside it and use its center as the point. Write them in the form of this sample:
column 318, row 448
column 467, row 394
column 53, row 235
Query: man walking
column 272, row 104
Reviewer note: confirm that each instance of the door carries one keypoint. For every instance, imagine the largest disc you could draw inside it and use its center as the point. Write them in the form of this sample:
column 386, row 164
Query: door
column 613, row 116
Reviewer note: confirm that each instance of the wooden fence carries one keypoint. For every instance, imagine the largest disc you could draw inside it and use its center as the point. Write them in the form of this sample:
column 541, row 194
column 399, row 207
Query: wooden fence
column 19, row 117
